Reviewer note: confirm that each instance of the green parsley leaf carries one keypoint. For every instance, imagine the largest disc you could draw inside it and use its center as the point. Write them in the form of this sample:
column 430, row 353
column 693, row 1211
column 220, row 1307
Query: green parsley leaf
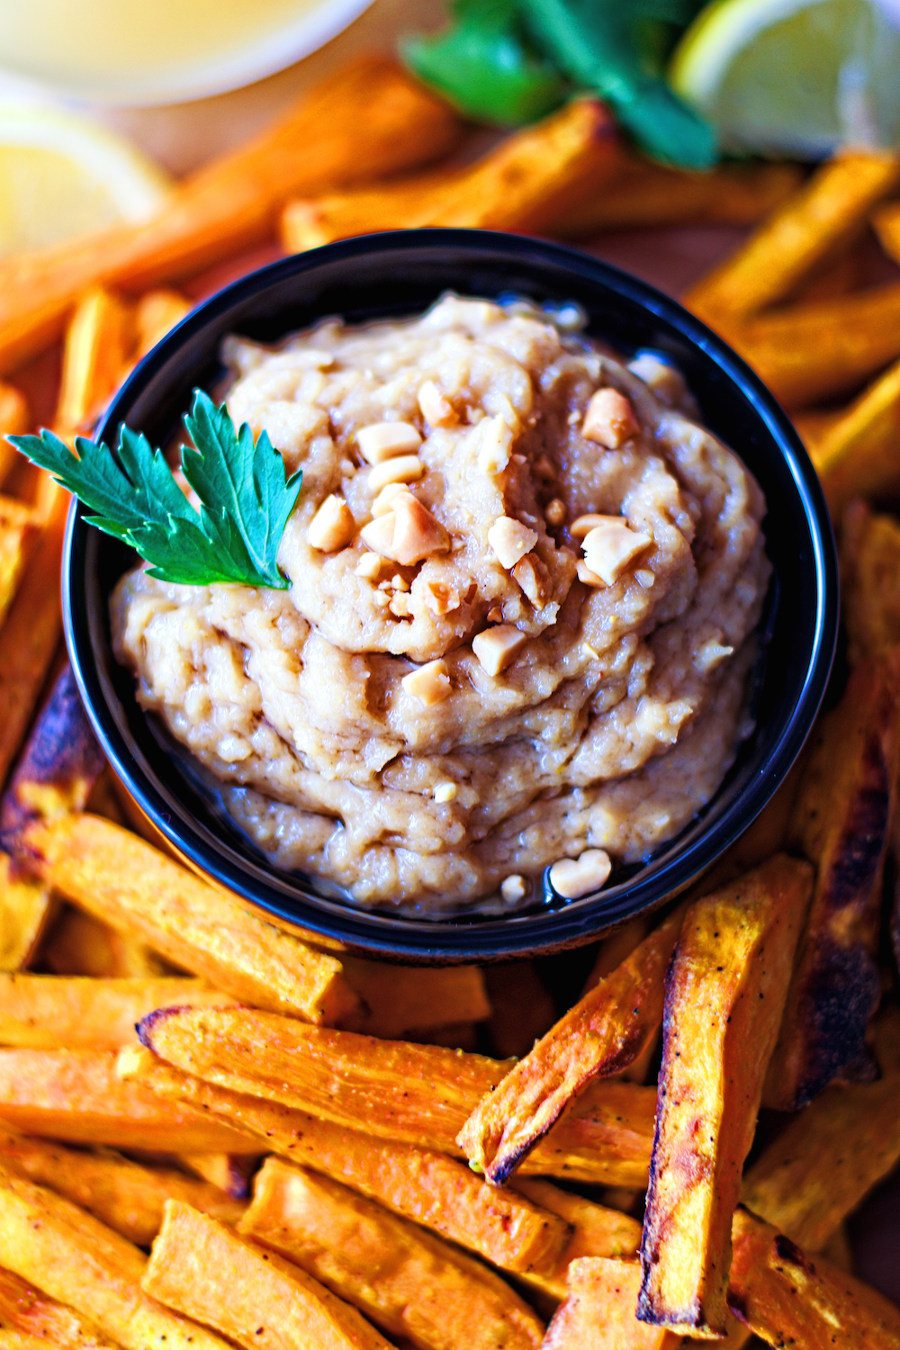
column 245, row 496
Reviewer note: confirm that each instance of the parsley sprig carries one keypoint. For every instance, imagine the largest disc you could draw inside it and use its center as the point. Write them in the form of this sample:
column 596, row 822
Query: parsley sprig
column 245, row 496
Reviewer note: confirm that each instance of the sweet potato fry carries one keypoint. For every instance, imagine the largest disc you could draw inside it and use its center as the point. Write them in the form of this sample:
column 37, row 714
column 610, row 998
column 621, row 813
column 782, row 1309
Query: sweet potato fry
column 31, row 632
column 400, row 1000
column 131, row 885
column 597, row 1230
column 76, row 1095
column 46, row 1012
column 870, row 572
column 367, row 120
column 821, row 216
column 227, row 1172
column 527, row 182
column 14, row 420
column 124, row 1195
column 99, row 337
column 419, row 1184
column 204, row 1270
column 787, row 1298
column 521, row 1007
column 724, row 998
column 598, row 1312
column 841, row 822
column 645, row 194
column 419, row 1094
column 807, row 352
column 857, row 456
column 812, row 427
column 828, row 1157
column 79, row 944
column 599, row 1036
column 26, row 1310
column 19, row 528
column 59, row 766
column 74, row 1258
column 155, row 315
column 412, row 1285
column 25, row 909
column 887, row 227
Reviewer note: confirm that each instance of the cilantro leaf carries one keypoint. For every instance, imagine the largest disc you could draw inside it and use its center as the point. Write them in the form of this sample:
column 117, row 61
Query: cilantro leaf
column 245, row 497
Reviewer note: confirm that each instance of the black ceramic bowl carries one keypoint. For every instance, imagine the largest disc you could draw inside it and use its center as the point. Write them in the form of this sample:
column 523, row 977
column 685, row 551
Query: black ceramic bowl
column 399, row 273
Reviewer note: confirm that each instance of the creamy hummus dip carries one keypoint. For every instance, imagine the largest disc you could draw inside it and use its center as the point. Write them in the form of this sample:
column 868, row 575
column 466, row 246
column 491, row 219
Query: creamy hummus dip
column 525, row 584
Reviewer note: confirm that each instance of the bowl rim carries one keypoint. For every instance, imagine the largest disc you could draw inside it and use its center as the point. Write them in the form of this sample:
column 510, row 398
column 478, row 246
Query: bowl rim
column 378, row 933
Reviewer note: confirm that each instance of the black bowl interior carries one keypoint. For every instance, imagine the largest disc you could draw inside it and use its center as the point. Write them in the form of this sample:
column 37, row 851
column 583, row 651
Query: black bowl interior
column 399, row 273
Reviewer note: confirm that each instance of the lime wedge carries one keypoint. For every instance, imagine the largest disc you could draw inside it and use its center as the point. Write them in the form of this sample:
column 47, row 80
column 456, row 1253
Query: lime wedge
column 796, row 77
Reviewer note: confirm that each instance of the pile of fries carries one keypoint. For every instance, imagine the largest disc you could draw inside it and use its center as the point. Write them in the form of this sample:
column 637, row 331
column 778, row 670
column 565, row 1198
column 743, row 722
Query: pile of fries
column 299, row 1148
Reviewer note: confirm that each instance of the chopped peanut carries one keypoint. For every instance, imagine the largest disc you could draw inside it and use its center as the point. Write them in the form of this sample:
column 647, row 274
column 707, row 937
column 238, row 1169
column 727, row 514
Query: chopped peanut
column 610, row 547
column 440, row 598
column 386, row 498
column 556, row 511
column 332, row 527
column 574, row 877
column 545, row 469
column 510, row 540
column 534, row 579
column 445, row 792
column 585, row 574
column 496, row 647
column 582, row 525
column 435, row 407
column 384, row 440
column 430, row 683
column 494, row 445
column 400, row 605
column 666, row 382
column 644, row 577
column 417, row 534
column 407, row 534
column 609, row 419
column 513, row 889
column 403, row 469
column 369, row 566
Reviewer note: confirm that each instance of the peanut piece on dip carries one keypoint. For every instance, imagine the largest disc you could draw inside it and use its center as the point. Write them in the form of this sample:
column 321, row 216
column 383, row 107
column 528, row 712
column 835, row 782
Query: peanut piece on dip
column 436, row 711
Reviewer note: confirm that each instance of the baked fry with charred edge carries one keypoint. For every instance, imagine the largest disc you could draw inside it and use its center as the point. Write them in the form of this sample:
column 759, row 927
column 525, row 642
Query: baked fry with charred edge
column 598, row 1310
column 26, row 1309
column 74, row 1258
column 25, row 911
column 841, row 823
column 31, row 630
column 19, row 532
column 411, row 1284
column 366, row 120
column 201, row 1268
column 789, row 1298
column 725, row 992
column 76, row 1096
column 419, row 1094
column 819, row 349
column 510, row 1230
column 527, row 182
column 598, row 1037
column 828, row 1157
column 822, row 215
column 59, row 766
column 128, row 883
column 99, row 339
column 123, row 1194
column 856, row 455
column 870, row 574
column 44, row 1012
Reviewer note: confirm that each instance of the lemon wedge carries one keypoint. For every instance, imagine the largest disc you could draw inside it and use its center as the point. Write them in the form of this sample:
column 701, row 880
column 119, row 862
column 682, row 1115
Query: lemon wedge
column 796, row 77
column 62, row 175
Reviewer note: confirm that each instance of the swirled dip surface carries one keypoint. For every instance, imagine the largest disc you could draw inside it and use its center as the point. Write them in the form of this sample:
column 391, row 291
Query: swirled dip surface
column 429, row 708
